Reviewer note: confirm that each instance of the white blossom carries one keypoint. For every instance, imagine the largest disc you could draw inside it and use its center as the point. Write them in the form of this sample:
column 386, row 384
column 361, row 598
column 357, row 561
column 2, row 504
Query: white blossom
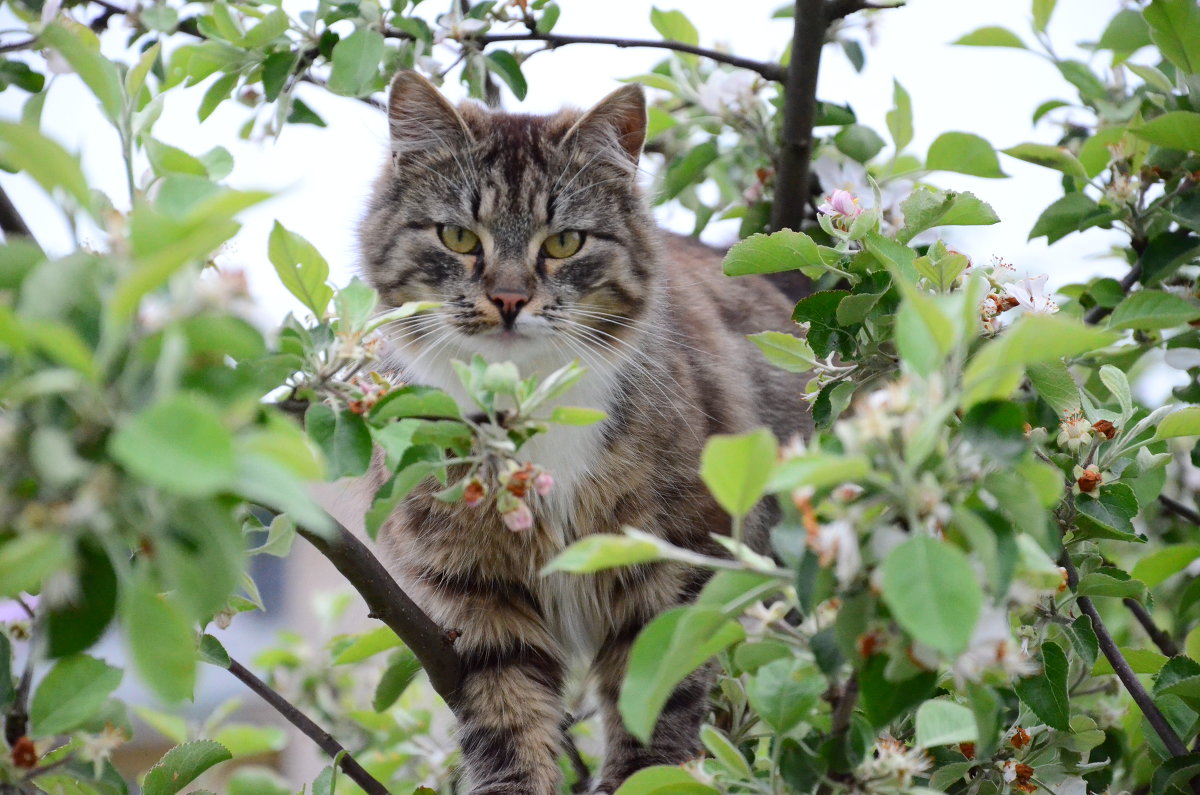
column 1074, row 432
column 733, row 92
column 836, row 543
column 1030, row 293
column 893, row 764
column 992, row 648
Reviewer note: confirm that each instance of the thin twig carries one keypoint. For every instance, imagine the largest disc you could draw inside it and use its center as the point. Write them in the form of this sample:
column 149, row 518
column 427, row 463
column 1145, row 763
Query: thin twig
column 769, row 70
column 1120, row 665
column 16, row 722
column 324, row 739
column 844, row 8
column 1179, row 509
column 1098, row 313
column 1161, row 639
column 391, row 605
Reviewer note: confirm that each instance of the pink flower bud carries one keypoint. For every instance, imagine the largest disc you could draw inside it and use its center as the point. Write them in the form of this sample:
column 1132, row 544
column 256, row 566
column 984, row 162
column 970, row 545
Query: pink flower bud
column 519, row 518
column 543, row 483
column 841, row 202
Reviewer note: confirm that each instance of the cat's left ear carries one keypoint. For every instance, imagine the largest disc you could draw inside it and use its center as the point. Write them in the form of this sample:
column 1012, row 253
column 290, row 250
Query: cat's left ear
column 619, row 118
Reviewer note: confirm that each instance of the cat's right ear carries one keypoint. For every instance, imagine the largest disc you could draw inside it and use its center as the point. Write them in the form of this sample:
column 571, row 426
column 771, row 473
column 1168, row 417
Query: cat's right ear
column 420, row 118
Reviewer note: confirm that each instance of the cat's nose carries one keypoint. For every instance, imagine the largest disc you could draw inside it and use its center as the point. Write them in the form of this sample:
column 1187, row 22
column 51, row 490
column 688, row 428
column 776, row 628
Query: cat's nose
column 509, row 304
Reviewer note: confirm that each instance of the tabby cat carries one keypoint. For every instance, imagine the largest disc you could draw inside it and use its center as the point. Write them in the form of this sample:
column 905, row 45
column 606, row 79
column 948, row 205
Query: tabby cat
column 533, row 233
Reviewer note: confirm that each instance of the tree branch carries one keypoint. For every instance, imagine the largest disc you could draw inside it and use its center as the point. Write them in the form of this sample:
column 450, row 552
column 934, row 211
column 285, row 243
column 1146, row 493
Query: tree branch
column 11, row 221
column 1161, row 639
column 324, row 739
column 1128, row 678
column 1098, row 313
column 391, row 605
column 768, row 70
column 1179, row 509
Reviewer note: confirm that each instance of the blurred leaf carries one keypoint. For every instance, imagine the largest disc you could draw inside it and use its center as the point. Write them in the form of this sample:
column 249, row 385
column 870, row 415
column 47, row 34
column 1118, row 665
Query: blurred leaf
column 401, row 670
column 664, row 780
column 244, row 740
column 1153, row 309
column 70, row 694
column 178, row 444
column 900, row 117
column 1175, row 28
column 1054, row 384
column 24, row 148
column 414, row 401
column 1166, row 562
column 344, row 438
column 574, row 415
column 858, row 142
column 884, row 700
column 688, row 169
column 1126, row 32
column 162, row 642
column 930, row 588
column 674, row 26
column 1178, row 129
column 1185, row 422
column 356, row 61
column 736, row 468
column 83, row 54
column 965, row 153
column 182, row 765
column 1042, row 10
column 213, row 652
column 168, row 159
column 269, row 28
column 601, row 551
column 784, row 692
column 785, row 351
column 1055, row 157
column 991, row 36
column 367, row 644
column 1142, row 661
column 29, row 558
column 818, row 471
column 506, row 66
column 671, row 646
column 943, row 722
column 74, row 624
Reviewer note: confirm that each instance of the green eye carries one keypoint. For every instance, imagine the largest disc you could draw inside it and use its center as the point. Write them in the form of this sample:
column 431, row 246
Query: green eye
column 564, row 244
column 459, row 239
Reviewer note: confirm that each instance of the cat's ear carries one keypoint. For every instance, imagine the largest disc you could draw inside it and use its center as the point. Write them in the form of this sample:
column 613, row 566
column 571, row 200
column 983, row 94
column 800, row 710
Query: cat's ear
column 421, row 118
column 619, row 118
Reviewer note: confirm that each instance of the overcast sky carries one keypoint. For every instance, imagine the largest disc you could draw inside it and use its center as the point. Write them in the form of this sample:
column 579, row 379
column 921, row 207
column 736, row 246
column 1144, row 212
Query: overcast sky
column 322, row 175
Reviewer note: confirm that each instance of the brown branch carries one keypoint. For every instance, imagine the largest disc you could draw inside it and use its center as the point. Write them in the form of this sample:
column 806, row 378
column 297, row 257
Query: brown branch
column 11, row 221
column 1161, row 639
column 768, row 70
column 391, row 605
column 1179, row 509
column 1120, row 665
column 844, row 8
column 305, row 724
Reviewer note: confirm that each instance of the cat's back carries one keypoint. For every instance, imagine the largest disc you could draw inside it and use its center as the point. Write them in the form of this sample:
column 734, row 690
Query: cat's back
column 714, row 313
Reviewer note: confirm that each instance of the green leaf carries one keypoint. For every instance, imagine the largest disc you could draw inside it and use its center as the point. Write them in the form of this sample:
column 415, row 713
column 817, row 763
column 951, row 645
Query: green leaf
column 858, row 142
column 736, row 468
column 218, row 92
column 178, row 444
column 900, row 117
column 356, row 62
column 414, row 401
column 998, row 427
column 688, row 169
column 276, row 69
column 932, row 592
column 1164, row 563
column 884, row 700
column 785, row 351
column 1142, row 661
column 923, row 334
column 368, row 644
column 819, row 311
column 991, row 36
column 342, row 436
column 29, row 558
column 1046, row 693
column 505, row 65
column 784, row 250
column 1104, row 583
column 244, row 740
column 664, row 780
column 601, row 551
column 1108, row 515
column 1091, row 88
column 24, row 148
column 671, row 646
column 70, row 694
column 1126, row 32
column 964, row 153
column 1153, row 309
column 784, row 692
column 1042, row 10
column 136, row 77
column 301, row 268
column 674, row 26
column 1175, row 28
column 549, row 17
column 168, row 159
column 927, row 208
column 1185, row 422
column 213, row 652
column 1055, row 157
column 182, row 765
column 575, row 415
column 943, row 722
column 401, row 670
column 162, row 642
column 98, row 73
column 1054, row 384
column 817, row 470
column 724, row 751
column 1074, row 212
column 269, row 28
column 74, row 624
column 1178, row 129
column 1084, row 639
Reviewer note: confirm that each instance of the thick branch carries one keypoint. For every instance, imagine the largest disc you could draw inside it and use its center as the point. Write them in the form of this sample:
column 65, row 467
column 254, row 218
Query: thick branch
column 1128, row 678
column 324, row 739
column 392, row 606
column 799, row 115
column 11, row 221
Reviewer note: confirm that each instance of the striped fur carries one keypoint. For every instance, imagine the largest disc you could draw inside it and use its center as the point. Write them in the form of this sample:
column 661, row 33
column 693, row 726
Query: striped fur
column 662, row 333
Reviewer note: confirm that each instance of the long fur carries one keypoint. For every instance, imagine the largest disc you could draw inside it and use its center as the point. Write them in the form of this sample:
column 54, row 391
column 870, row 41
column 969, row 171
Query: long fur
column 663, row 334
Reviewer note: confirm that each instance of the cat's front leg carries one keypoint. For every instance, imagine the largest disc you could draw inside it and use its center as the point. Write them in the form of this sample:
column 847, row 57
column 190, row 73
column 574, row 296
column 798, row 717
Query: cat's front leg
column 676, row 735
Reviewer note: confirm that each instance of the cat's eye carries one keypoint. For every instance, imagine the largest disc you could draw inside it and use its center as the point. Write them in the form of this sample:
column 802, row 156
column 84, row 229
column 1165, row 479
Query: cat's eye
column 564, row 244
column 459, row 239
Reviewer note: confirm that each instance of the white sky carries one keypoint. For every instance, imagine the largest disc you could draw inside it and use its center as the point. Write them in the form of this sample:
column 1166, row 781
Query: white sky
column 323, row 175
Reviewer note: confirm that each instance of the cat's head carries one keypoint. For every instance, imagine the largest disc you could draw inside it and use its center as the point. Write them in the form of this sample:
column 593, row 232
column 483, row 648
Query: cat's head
column 531, row 230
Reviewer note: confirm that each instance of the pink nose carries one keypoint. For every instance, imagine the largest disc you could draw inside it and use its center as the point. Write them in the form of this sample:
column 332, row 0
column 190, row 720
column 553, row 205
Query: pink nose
column 509, row 304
